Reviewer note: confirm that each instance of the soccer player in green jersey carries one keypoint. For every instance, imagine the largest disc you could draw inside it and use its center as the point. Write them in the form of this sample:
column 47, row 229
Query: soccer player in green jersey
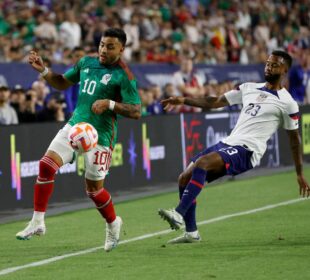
column 107, row 88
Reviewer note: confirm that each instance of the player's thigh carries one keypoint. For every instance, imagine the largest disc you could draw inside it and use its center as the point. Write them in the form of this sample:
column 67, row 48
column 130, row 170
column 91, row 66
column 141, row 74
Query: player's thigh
column 211, row 162
column 97, row 163
column 60, row 146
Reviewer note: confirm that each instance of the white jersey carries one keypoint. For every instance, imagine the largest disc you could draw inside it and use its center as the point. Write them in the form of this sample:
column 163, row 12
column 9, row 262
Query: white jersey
column 263, row 112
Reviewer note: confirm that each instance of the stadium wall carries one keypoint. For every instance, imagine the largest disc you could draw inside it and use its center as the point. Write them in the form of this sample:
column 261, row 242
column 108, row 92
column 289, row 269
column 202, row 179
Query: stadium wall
column 160, row 74
column 151, row 151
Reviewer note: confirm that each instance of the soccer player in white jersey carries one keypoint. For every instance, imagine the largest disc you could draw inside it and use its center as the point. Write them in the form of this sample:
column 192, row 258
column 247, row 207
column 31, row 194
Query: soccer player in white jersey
column 266, row 106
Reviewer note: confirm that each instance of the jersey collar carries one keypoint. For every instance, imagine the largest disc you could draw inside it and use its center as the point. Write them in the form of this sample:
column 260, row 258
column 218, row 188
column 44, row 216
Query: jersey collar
column 273, row 92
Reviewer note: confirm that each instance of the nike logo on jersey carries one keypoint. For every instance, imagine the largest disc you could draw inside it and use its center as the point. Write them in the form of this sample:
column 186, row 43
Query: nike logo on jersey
column 106, row 78
column 86, row 70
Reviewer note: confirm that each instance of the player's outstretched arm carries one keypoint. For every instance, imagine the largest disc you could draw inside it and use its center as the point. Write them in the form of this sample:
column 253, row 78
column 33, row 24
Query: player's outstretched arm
column 295, row 144
column 55, row 80
column 132, row 111
column 206, row 102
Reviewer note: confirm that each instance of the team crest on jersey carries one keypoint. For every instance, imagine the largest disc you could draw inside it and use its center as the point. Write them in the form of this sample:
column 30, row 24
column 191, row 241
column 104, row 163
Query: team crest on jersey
column 261, row 97
column 106, row 78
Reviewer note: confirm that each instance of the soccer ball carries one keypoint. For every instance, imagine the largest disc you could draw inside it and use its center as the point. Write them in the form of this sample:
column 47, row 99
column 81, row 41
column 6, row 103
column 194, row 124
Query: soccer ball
column 83, row 137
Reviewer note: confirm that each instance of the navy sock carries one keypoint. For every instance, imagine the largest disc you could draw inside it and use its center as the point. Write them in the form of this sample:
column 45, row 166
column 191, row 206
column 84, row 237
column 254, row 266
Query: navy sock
column 190, row 216
column 192, row 190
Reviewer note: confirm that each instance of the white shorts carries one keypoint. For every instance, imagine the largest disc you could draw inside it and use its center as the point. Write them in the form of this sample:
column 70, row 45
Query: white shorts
column 97, row 161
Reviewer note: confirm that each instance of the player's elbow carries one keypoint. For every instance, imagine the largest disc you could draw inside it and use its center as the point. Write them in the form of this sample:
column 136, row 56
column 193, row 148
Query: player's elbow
column 136, row 115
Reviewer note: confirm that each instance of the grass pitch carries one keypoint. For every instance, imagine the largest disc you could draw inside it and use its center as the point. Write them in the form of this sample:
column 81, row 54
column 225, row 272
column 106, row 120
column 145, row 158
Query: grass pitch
column 270, row 244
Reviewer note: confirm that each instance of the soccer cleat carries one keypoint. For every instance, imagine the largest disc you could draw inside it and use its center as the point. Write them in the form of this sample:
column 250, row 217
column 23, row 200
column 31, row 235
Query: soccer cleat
column 172, row 217
column 187, row 237
column 33, row 228
column 112, row 234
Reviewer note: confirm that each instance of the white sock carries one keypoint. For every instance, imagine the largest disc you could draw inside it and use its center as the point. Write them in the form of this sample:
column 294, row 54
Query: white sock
column 38, row 216
column 193, row 233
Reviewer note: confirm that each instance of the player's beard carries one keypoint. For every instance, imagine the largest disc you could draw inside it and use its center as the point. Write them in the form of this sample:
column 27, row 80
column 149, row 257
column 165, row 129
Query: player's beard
column 271, row 78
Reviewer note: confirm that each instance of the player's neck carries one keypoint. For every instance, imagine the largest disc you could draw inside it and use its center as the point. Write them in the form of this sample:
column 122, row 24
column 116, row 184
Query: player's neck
column 274, row 86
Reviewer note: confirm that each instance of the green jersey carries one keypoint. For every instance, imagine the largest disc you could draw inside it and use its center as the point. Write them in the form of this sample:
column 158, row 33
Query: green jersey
column 97, row 81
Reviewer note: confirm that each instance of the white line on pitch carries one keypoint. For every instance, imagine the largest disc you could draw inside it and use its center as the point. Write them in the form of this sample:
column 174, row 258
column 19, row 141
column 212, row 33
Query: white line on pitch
column 145, row 236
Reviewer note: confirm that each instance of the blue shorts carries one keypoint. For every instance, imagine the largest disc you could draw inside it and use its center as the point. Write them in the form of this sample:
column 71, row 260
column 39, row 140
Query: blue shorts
column 237, row 159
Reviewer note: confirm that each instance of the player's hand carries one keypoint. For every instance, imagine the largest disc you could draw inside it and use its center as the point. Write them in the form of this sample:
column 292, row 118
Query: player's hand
column 304, row 188
column 171, row 102
column 36, row 61
column 100, row 106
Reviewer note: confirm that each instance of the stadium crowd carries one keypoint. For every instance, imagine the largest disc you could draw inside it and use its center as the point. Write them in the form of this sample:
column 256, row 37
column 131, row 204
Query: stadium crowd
column 202, row 31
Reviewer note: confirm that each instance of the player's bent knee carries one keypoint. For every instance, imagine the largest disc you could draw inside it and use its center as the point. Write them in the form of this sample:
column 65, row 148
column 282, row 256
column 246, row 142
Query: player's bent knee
column 47, row 168
column 184, row 179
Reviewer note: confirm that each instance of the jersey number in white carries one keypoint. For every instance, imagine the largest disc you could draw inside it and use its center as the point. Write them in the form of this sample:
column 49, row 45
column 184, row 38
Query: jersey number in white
column 252, row 109
column 229, row 150
column 89, row 87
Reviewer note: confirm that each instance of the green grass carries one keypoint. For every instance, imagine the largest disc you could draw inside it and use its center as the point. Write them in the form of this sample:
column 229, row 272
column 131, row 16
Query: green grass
column 272, row 244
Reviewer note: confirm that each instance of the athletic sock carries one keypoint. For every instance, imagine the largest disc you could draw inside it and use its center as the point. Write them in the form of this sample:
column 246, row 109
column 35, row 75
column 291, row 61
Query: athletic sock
column 190, row 216
column 45, row 184
column 192, row 190
column 104, row 204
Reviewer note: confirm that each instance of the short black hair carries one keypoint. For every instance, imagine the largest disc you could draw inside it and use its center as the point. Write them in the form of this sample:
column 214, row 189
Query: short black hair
column 116, row 33
column 4, row 88
column 77, row 49
column 287, row 58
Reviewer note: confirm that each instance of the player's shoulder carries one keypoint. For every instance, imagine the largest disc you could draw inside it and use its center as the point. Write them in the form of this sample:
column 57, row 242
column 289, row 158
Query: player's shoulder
column 286, row 97
column 125, row 70
column 89, row 59
column 251, row 86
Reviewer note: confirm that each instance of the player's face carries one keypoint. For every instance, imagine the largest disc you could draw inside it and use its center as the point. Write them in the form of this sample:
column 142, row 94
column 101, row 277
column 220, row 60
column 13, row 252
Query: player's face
column 274, row 68
column 110, row 50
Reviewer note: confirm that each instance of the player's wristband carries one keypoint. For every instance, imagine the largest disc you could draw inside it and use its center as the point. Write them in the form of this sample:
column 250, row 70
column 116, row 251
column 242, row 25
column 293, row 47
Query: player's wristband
column 111, row 105
column 44, row 73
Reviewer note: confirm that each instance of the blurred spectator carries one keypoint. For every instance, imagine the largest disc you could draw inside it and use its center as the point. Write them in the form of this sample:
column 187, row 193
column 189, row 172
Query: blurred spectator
column 17, row 97
column 188, row 83
column 225, row 30
column 70, row 31
column 170, row 91
column 144, row 101
column 27, row 108
column 71, row 94
column 155, row 107
column 46, row 28
column 299, row 77
column 211, row 32
column 42, row 92
column 54, row 109
column 132, row 31
column 7, row 112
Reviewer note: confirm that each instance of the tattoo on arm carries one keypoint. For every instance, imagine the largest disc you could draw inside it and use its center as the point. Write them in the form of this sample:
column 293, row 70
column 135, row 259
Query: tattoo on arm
column 132, row 111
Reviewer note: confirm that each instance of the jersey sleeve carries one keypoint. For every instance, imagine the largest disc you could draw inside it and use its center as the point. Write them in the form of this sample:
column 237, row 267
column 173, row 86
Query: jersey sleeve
column 73, row 74
column 234, row 96
column 291, row 116
column 129, row 91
